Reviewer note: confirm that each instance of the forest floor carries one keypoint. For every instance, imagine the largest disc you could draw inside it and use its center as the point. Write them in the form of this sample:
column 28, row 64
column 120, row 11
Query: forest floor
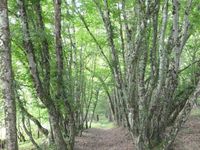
column 119, row 138
column 104, row 139
column 189, row 136
column 104, row 135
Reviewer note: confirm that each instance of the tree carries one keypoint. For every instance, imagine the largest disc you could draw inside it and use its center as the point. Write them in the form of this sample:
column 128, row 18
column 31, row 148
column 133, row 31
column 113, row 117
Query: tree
column 140, row 54
column 153, row 46
column 6, row 78
column 43, row 90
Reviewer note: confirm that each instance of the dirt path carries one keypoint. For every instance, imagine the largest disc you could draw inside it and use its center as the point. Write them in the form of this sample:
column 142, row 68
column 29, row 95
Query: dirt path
column 119, row 139
column 189, row 136
column 104, row 139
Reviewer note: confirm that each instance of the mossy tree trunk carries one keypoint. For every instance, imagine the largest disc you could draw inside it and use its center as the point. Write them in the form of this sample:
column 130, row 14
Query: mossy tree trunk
column 6, row 78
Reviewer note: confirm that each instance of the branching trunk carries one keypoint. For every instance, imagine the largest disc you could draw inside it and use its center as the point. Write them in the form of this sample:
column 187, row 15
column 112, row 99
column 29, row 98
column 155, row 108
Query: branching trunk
column 151, row 95
column 117, row 74
column 41, row 92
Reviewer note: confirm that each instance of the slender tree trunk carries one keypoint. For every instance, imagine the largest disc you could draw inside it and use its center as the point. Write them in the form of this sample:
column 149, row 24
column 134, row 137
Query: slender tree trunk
column 59, row 140
column 51, row 136
column 28, row 132
column 42, row 93
column 58, row 48
column 6, row 78
column 94, row 107
column 35, row 120
column 21, row 137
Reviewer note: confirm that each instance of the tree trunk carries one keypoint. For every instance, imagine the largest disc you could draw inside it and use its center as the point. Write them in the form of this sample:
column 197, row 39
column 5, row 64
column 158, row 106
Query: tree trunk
column 60, row 143
column 28, row 132
column 42, row 92
column 35, row 120
column 6, row 78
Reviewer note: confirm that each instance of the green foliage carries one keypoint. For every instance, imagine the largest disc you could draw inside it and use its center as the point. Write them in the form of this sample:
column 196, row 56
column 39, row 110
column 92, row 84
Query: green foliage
column 41, row 142
column 85, row 68
column 103, row 123
column 195, row 112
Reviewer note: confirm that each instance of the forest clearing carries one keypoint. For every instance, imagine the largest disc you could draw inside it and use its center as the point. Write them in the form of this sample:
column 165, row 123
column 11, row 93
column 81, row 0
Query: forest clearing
column 99, row 74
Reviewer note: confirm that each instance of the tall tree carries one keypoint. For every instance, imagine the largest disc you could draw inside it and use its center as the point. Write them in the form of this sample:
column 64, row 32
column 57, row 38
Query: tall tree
column 151, row 88
column 42, row 91
column 6, row 78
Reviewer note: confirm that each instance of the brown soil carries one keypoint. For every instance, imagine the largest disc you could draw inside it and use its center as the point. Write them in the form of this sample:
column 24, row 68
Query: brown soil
column 104, row 139
column 189, row 136
column 119, row 139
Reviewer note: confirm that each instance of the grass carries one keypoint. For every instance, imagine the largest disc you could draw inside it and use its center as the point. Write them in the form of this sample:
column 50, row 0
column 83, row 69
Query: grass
column 26, row 145
column 103, row 123
column 29, row 146
column 195, row 111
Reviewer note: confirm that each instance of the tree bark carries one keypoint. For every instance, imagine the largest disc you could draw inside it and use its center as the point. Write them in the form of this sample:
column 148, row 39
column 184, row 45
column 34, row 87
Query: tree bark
column 41, row 92
column 6, row 78
column 31, row 117
column 28, row 132
column 59, row 50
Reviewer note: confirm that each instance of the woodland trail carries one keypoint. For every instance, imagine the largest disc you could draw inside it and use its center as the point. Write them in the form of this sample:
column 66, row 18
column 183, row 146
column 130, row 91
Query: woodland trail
column 119, row 139
column 104, row 139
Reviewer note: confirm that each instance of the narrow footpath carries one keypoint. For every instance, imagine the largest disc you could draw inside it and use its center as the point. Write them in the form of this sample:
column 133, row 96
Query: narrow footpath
column 104, row 139
column 119, row 139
